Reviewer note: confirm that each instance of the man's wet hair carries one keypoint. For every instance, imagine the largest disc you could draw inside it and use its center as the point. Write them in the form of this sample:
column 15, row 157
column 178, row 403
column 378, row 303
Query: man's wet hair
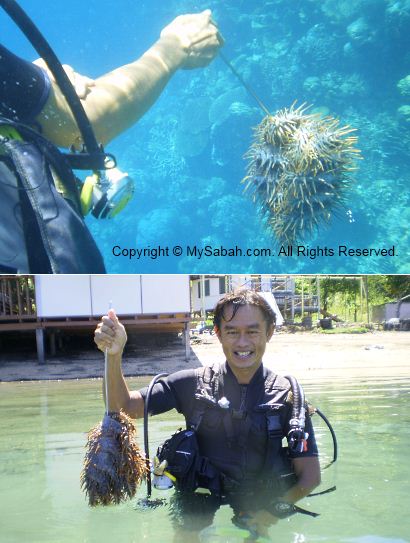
column 239, row 298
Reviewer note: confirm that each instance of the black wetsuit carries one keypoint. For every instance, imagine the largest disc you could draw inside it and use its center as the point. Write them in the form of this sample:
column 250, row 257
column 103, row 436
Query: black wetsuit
column 239, row 459
column 24, row 87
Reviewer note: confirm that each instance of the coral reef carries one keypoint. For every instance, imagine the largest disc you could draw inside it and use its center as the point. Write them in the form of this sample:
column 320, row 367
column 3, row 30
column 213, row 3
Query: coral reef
column 398, row 10
column 225, row 104
column 345, row 10
column 335, row 88
column 404, row 86
column 318, row 47
column 167, row 158
column 361, row 31
column 193, row 129
column 403, row 113
column 299, row 166
column 186, row 153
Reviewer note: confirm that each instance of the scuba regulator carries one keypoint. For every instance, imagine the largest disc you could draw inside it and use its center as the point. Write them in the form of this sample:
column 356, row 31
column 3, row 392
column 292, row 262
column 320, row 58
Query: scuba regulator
column 106, row 193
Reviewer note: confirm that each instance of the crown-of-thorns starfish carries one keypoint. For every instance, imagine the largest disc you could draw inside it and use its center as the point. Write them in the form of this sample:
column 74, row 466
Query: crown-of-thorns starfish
column 299, row 169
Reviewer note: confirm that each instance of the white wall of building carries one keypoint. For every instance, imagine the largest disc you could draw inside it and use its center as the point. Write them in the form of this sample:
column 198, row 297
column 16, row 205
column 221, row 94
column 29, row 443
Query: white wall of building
column 165, row 294
column 389, row 311
column 124, row 291
column 210, row 299
column 63, row 295
column 90, row 295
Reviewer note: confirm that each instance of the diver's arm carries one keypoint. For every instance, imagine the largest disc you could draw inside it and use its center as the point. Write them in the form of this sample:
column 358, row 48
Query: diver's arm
column 307, row 471
column 120, row 397
column 110, row 337
column 118, row 99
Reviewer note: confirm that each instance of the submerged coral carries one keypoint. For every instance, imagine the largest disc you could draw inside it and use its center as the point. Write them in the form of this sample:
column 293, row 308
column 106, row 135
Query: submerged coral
column 299, row 166
column 404, row 86
column 335, row 88
column 344, row 10
column 403, row 113
column 361, row 32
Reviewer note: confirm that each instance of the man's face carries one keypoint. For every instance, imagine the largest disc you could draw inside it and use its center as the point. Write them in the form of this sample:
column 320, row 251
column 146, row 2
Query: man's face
column 244, row 338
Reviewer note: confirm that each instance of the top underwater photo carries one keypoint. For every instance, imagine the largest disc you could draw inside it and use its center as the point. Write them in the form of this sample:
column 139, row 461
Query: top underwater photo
column 286, row 146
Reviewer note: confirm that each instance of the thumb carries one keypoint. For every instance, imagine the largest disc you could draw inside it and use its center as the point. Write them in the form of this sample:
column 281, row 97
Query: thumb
column 113, row 316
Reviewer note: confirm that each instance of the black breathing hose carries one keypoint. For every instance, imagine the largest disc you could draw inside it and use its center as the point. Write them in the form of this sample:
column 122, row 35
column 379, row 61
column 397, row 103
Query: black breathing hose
column 297, row 422
column 298, row 418
column 153, row 381
column 321, row 415
column 296, row 434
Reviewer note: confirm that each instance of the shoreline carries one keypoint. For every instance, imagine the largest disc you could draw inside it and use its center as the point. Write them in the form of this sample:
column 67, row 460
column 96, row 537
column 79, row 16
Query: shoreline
column 306, row 355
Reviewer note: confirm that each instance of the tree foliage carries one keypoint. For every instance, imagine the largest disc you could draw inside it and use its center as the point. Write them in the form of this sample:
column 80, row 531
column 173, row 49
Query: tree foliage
column 348, row 293
column 380, row 288
column 388, row 288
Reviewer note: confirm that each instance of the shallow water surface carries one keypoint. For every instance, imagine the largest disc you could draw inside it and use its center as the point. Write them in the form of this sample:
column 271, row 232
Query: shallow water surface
column 43, row 433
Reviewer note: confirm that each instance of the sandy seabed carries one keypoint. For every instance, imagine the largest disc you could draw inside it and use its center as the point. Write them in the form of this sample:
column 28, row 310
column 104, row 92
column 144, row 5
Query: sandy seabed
column 306, row 355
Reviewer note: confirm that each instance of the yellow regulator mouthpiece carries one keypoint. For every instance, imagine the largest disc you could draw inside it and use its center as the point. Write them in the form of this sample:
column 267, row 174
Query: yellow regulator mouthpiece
column 86, row 196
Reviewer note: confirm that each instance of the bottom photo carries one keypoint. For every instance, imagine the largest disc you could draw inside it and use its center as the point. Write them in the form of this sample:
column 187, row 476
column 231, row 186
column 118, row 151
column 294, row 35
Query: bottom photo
column 204, row 408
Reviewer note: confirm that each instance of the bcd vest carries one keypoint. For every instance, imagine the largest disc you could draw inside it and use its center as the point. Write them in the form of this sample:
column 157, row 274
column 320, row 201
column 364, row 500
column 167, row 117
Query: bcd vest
column 277, row 469
column 56, row 237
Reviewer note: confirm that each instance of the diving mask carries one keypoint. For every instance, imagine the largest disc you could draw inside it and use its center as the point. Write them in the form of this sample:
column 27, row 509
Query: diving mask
column 107, row 194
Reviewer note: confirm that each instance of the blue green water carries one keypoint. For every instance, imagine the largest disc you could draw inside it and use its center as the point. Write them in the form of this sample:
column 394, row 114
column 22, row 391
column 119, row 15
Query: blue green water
column 43, row 432
column 186, row 154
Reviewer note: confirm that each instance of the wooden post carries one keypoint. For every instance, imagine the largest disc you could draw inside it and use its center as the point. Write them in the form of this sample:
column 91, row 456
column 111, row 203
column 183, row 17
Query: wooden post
column 52, row 342
column 10, row 295
column 292, row 302
column 366, row 294
column 20, row 305
column 40, row 345
column 187, row 342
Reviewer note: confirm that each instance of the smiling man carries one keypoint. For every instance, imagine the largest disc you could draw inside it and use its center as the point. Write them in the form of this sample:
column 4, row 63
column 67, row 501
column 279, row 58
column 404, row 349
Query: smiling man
column 243, row 332
column 238, row 412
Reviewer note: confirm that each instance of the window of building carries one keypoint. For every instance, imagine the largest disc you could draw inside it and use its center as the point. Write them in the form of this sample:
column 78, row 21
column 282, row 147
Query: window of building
column 207, row 288
column 222, row 289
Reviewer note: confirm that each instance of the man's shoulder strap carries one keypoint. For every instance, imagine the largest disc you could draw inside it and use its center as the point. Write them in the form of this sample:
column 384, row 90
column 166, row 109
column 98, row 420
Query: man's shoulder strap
column 63, row 177
column 207, row 380
column 206, row 393
column 274, row 381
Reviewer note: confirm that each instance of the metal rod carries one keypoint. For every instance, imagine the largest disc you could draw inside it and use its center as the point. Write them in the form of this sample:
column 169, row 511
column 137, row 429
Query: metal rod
column 146, row 440
column 250, row 90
